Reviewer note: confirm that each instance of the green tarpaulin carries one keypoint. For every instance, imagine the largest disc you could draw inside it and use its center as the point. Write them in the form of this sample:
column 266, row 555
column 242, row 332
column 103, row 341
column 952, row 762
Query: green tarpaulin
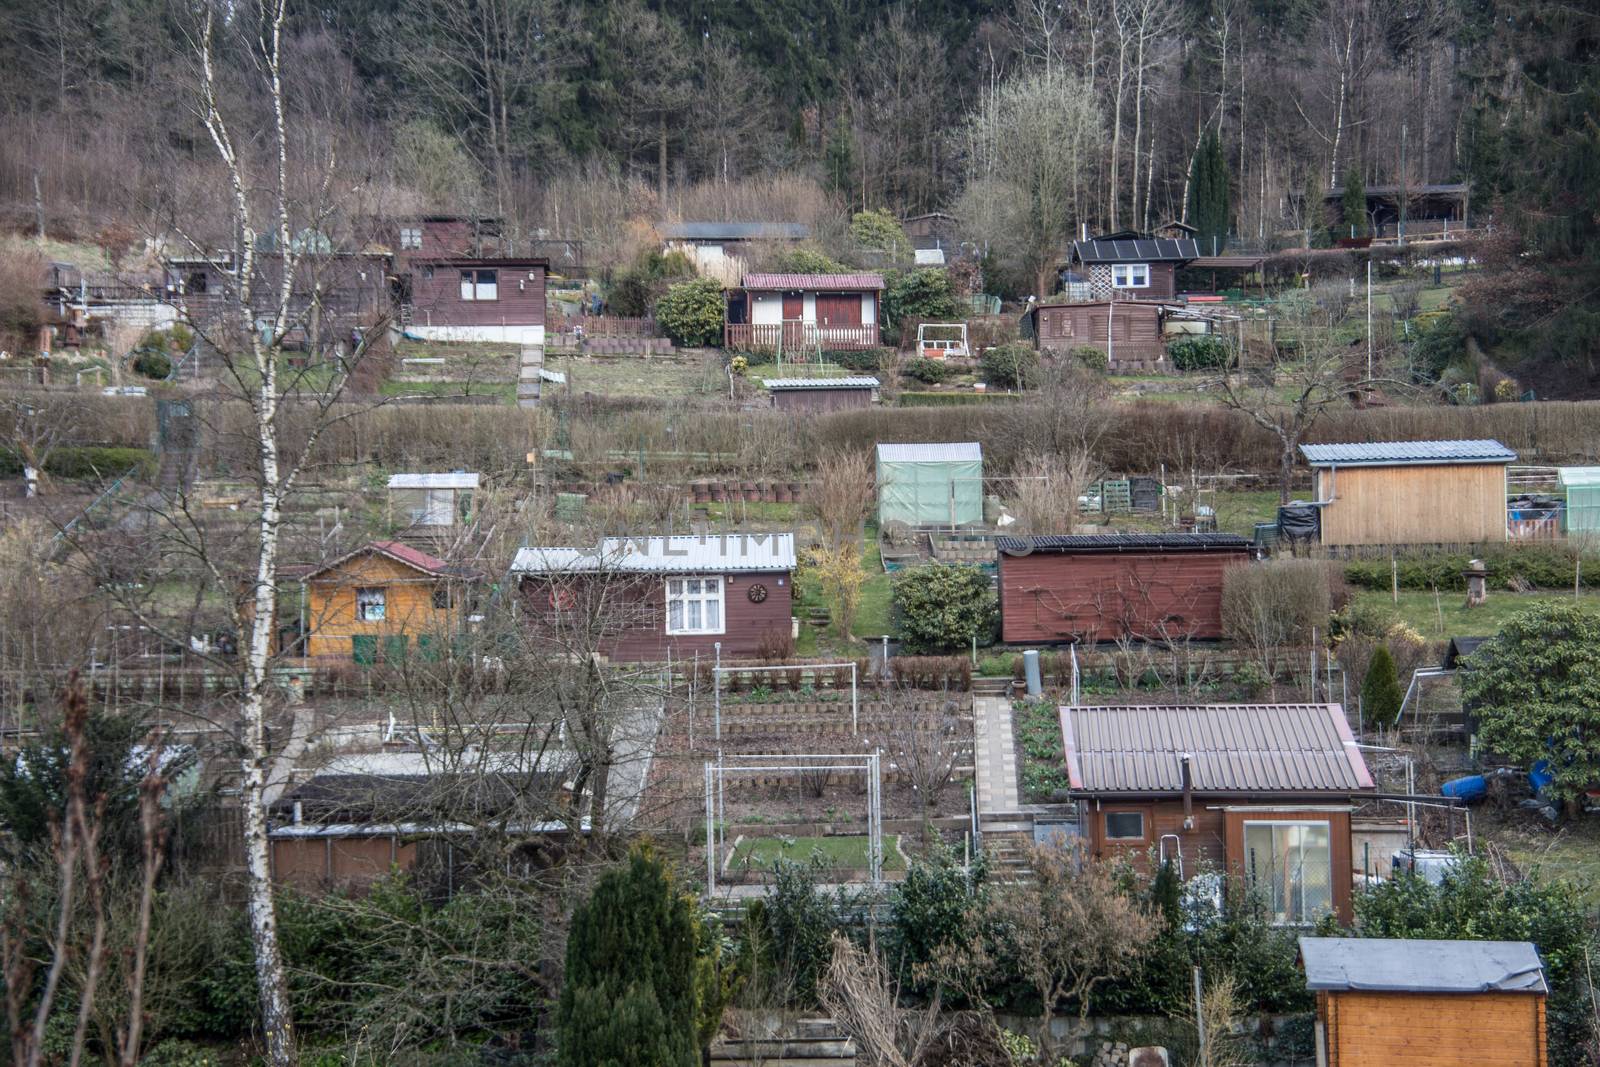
column 930, row 484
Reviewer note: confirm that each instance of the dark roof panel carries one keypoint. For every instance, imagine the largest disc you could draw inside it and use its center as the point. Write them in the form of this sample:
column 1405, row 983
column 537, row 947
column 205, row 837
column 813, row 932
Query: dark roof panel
column 1138, row 250
column 1233, row 748
column 1400, row 965
column 1160, row 542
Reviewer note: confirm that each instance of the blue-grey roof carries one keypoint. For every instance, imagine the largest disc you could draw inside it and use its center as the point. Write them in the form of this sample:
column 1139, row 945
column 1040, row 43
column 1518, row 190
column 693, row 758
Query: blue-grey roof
column 963, row 452
column 735, row 231
column 1400, row 453
column 1132, row 542
column 1396, row 965
column 860, row 382
column 677, row 554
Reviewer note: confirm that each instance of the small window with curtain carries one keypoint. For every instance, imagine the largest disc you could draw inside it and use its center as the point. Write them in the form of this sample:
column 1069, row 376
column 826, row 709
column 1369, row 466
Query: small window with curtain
column 694, row 606
column 1130, row 276
column 410, row 237
column 370, row 605
column 480, row 285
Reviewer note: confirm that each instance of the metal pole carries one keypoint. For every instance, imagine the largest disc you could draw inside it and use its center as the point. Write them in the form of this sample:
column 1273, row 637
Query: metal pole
column 716, row 688
column 855, row 706
column 711, row 835
column 1369, row 316
column 1200, row 1020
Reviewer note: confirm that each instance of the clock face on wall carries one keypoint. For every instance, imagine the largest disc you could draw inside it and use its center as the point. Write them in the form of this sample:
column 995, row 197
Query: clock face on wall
column 757, row 593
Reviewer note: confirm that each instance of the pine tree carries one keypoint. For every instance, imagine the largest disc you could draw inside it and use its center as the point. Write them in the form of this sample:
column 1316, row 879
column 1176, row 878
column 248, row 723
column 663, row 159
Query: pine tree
column 1210, row 205
column 1380, row 690
column 1354, row 204
column 631, row 981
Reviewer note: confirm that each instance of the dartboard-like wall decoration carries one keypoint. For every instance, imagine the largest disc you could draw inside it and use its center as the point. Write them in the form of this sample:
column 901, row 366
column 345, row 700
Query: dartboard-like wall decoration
column 757, row 593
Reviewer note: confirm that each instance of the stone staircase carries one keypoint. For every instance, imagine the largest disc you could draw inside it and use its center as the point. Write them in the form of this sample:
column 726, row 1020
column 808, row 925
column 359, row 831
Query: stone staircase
column 796, row 1043
column 1008, row 843
column 529, row 383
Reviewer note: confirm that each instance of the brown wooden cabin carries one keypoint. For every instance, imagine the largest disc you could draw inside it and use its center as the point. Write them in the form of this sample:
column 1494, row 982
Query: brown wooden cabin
column 645, row 598
column 332, row 292
column 468, row 298
column 377, row 602
column 1259, row 792
column 428, row 237
column 1104, row 587
column 1136, row 330
column 1410, row 492
column 1132, row 265
column 1423, row 1003
column 802, row 312
column 368, row 815
column 821, row 394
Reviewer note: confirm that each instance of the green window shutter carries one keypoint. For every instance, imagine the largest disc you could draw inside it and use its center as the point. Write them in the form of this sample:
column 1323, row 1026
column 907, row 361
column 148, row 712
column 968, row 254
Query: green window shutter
column 364, row 649
column 394, row 649
column 427, row 647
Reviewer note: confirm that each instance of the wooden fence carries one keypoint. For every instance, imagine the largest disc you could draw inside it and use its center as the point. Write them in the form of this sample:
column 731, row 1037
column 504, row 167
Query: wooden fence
column 604, row 326
column 795, row 336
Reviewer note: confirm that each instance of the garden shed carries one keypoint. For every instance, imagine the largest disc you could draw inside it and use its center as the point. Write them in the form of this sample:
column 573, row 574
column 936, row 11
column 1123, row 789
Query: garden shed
column 1582, row 486
column 930, row 484
column 1426, row 1003
column 431, row 500
column 1102, row 587
column 821, row 394
column 1411, row 492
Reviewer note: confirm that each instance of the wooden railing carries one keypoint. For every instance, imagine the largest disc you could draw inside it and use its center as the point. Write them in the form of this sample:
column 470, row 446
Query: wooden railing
column 797, row 336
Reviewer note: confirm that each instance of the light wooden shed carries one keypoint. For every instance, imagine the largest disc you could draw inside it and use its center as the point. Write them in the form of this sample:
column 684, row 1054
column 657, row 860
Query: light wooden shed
column 1384, row 1001
column 431, row 501
column 1410, row 492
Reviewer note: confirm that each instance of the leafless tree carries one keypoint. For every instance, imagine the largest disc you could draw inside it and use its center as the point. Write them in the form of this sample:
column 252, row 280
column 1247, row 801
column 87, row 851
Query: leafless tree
column 840, row 495
column 925, row 742
column 1046, row 488
column 858, row 992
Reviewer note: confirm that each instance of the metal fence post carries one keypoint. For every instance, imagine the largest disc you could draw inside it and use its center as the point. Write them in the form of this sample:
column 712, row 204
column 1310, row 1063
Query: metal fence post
column 855, row 706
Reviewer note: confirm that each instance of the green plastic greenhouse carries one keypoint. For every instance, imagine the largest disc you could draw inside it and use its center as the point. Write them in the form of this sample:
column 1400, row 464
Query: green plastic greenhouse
column 1583, row 498
column 930, row 484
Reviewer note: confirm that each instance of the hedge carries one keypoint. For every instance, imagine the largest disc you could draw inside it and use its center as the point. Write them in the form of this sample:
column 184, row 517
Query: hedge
column 92, row 461
column 1539, row 566
column 919, row 399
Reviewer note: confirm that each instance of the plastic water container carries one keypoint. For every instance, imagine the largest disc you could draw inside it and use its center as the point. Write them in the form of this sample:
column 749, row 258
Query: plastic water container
column 1539, row 776
column 1472, row 787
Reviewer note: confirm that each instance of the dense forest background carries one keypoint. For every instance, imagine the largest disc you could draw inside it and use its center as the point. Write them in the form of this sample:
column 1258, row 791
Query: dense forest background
column 1026, row 118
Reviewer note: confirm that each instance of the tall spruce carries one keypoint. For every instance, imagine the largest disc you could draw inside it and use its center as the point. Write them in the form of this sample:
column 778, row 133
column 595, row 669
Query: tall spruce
column 1210, row 205
column 1381, row 696
column 630, row 995
column 1354, row 205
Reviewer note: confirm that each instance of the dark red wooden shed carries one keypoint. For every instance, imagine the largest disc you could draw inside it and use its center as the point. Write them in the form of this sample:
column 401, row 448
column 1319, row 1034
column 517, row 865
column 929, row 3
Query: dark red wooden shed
column 1156, row 587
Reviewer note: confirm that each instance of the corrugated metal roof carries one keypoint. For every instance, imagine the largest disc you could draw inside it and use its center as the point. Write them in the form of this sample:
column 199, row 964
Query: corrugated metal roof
column 680, row 554
column 1571, row 477
column 1402, row 965
column 735, row 231
column 961, row 452
column 1233, row 748
column 1159, row 542
column 820, row 383
column 1402, row 453
column 1141, row 250
column 453, row 480
column 815, row 282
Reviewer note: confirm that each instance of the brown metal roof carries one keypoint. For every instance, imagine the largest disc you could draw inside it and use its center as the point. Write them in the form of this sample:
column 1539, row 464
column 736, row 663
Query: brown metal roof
column 1234, row 748
column 814, row 282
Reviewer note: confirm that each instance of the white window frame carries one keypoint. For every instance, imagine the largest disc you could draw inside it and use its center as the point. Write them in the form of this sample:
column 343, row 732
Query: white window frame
column 473, row 287
column 410, row 237
column 710, row 589
column 1130, row 275
column 368, row 598
column 1280, row 917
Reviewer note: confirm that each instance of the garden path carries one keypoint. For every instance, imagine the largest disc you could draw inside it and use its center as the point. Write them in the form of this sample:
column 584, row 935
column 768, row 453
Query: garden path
column 995, row 756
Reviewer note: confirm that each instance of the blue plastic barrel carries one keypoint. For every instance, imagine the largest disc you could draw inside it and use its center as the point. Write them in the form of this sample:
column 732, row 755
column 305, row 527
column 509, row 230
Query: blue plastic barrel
column 1540, row 776
column 1472, row 787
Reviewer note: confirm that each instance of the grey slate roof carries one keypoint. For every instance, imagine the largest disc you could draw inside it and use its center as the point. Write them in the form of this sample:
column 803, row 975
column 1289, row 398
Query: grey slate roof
column 861, row 382
column 1141, row 250
column 735, row 231
column 1406, row 453
column 963, row 452
column 1158, row 542
column 1233, row 748
column 1382, row 964
column 451, row 480
column 679, row 554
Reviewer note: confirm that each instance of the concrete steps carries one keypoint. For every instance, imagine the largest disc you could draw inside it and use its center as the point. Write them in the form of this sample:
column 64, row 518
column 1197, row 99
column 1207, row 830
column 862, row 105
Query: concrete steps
column 1008, row 846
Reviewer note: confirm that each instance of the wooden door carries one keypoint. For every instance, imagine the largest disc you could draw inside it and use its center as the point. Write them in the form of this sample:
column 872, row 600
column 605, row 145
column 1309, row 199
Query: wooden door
column 794, row 307
column 839, row 309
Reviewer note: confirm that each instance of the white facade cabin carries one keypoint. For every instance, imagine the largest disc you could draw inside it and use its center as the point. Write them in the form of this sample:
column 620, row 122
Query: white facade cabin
column 804, row 311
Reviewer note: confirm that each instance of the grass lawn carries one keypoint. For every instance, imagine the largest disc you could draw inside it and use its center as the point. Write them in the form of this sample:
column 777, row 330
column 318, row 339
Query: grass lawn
column 872, row 616
column 847, row 852
column 757, row 371
column 1238, row 510
column 636, row 376
column 1570, row 854
column 759, row 510
column 1422, row 612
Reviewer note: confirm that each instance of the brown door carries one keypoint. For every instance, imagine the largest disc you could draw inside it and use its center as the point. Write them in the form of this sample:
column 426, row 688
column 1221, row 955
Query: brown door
column 839, row 309
column 794, row 307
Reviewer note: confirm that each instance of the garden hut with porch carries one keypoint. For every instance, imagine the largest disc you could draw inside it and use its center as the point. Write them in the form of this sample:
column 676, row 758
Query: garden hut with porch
column 803, row 312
